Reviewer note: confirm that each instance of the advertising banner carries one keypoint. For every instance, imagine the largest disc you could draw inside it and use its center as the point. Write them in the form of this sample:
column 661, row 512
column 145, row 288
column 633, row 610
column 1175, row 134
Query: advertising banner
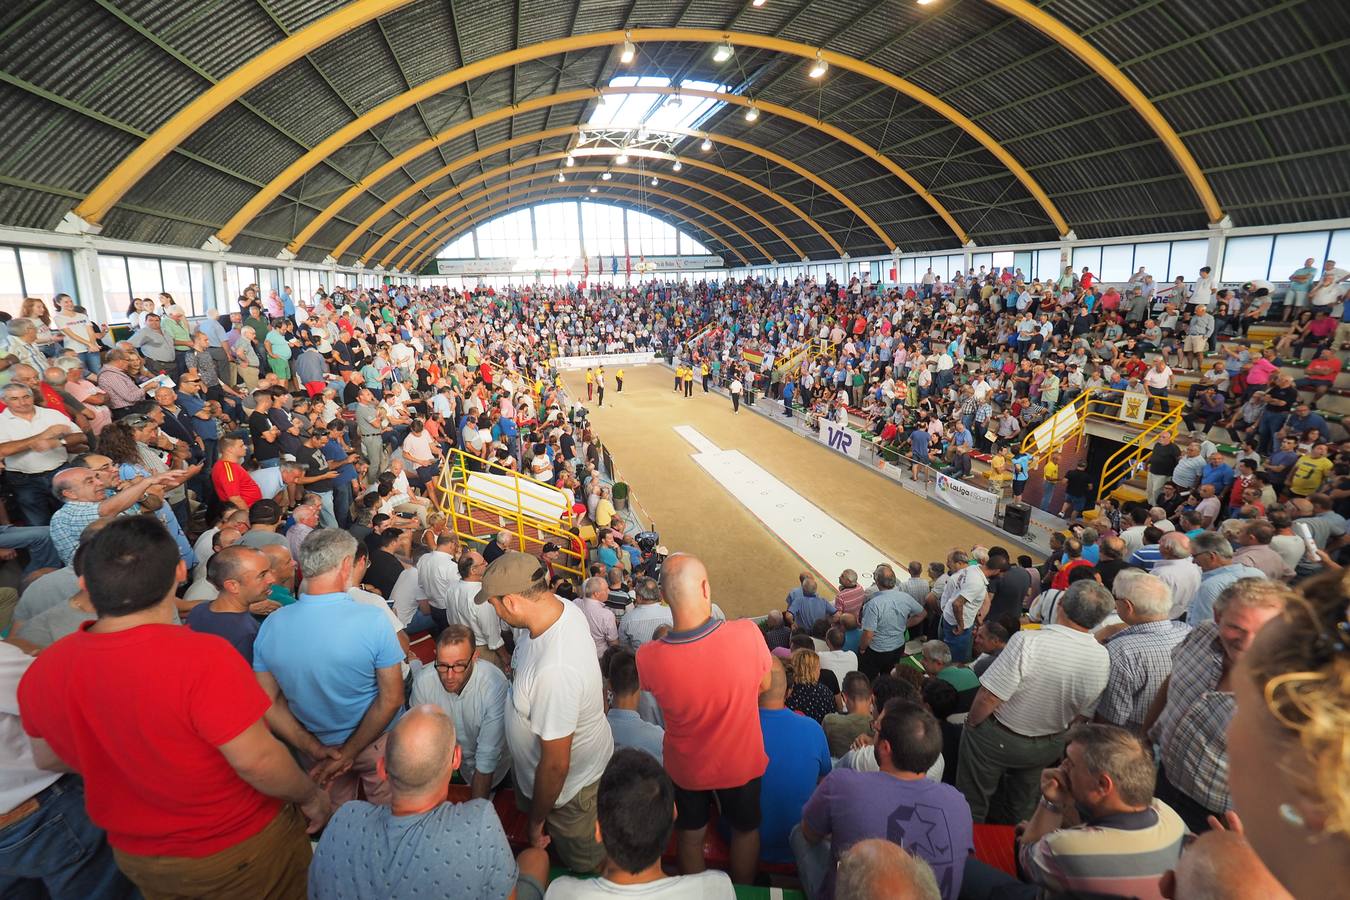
column 613, row 360
column 969, row 500
column 840, row 438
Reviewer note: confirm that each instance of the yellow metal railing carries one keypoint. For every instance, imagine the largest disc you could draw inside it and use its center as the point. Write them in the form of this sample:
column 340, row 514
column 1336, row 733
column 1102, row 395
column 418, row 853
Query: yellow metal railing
column 1104, row 405
column 494, row 507
column 812, row 349
column 1065, row 424
column 1122, row 464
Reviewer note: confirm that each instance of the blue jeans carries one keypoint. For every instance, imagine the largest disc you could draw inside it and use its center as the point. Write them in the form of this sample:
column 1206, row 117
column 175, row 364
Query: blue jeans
column 327, row 517
column 813, row 862
column 269, row 463
column 958, row 643
column 33, row 493
column 421, row 622
column 59, row 849
column 38, row 543
column 93, row 361
column 1047, row 495
column 342, row 504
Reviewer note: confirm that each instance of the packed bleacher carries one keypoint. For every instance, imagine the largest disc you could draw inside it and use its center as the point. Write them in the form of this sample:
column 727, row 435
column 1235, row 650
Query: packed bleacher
column 252, row 651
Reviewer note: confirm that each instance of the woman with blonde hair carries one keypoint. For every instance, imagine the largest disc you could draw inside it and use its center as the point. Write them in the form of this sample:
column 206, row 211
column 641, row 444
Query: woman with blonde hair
column 806, row 694
column 437, row 525
column 1289, row 741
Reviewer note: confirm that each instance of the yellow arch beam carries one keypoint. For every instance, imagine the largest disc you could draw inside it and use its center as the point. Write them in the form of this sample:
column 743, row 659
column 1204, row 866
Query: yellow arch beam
column 524, row 198
column 1095, row 60
column 547, row 157
column 730, row 142
column 587, row 94
column 552, row 157
column 429, row 244
column 559, row 131
column 182, row 124
column 431, row 239
column 354, row 129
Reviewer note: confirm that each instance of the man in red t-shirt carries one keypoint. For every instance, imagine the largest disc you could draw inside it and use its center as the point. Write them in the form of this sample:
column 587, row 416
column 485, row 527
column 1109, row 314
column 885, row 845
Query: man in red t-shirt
column 706, row 675
column 166, row 726
column 234, row 486
column 1320, row 376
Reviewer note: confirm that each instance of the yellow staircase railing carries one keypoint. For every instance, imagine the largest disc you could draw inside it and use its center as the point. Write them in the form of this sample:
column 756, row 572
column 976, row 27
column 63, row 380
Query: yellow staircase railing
column 1121, row 465
column 816, row 347
column 502, row 503
column 1063, row 425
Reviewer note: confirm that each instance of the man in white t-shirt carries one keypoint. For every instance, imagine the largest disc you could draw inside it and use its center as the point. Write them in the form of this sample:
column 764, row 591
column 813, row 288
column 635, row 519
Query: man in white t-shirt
column 556, row 728
column 1158, row 379
column 636, row 814
column 736, row 388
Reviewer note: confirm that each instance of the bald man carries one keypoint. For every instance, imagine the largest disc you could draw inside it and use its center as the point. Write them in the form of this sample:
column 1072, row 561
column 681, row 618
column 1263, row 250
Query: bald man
column 707, row 675
column 1221, row 865
column 877, row 869
column 422, row 845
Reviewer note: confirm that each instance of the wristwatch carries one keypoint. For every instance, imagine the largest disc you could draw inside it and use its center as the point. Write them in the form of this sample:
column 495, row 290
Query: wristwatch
column 1050, row 805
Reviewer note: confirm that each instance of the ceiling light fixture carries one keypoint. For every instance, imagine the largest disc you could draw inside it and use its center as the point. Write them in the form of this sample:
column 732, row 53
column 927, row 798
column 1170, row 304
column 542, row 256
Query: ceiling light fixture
column 594, row 189
column 678, row 165
column 605, row 176
column 561, row 177
column 819, row 67
column 723, row 53
column 571, row 161
column 706, row 145
column 654, row 181
column 629, row 51
column 675, row 101
column 752, row 113
column 622, row 159
column 757, row 3
column 923, row 2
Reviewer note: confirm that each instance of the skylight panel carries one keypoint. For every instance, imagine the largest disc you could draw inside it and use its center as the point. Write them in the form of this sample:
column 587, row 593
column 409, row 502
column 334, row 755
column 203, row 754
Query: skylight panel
column 655, row 112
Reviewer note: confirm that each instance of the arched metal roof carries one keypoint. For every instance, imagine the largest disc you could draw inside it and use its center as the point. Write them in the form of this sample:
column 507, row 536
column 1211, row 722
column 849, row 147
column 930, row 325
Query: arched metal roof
column 998, row 120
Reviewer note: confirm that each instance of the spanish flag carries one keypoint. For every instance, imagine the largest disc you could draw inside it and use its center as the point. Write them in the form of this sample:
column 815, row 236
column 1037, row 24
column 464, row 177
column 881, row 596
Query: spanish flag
column 753, row 357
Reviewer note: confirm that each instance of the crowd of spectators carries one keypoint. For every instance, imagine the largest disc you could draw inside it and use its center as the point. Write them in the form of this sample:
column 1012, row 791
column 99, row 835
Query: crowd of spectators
column 233, row 546
column 941, row 371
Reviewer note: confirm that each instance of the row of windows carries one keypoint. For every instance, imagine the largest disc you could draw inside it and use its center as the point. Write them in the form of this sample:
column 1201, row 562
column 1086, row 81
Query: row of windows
column 125, row 278
column 1164, row 260
column 33, row 272
column 566, row 229
column 558, row 229
column 1276, row 257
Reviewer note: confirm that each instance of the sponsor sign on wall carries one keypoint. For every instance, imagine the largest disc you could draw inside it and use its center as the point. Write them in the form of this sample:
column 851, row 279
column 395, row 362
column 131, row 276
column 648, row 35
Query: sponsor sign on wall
column 969, row 500
column 840, row 438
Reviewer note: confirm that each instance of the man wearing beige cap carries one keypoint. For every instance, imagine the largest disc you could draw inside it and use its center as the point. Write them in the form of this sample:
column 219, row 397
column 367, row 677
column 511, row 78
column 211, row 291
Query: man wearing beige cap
column 555, row 726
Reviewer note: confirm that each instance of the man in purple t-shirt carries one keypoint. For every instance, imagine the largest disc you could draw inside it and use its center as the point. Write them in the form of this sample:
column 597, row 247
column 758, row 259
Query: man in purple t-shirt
column 929, row 819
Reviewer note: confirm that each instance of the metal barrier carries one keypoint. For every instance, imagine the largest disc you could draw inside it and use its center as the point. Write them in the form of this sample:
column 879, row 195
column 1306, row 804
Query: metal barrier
column 503, row 505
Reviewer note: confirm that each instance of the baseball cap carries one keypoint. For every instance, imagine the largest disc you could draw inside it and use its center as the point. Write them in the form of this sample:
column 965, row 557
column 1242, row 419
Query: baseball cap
column 511, row 573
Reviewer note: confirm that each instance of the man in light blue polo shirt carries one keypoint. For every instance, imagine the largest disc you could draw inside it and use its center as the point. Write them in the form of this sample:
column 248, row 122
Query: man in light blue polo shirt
column 885, row 618
column 337, row 665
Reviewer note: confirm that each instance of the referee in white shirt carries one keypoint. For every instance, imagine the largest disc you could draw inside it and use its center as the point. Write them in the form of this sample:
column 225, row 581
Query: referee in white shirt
column 1040, row 684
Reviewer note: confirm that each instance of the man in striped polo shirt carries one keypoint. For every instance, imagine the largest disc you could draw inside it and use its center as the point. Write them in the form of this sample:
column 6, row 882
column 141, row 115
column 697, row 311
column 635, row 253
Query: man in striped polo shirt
column 1097, row 829
column 1041, row 682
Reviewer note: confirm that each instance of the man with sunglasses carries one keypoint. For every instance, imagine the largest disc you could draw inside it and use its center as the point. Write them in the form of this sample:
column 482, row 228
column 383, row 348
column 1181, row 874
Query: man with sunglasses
column 475, row 698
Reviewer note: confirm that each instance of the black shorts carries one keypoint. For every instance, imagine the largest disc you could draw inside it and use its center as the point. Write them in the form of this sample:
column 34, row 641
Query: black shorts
column 738, row 806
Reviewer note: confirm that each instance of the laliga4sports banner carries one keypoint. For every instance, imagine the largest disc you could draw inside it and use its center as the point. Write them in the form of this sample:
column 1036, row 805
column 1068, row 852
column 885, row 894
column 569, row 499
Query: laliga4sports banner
column 969, row 500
